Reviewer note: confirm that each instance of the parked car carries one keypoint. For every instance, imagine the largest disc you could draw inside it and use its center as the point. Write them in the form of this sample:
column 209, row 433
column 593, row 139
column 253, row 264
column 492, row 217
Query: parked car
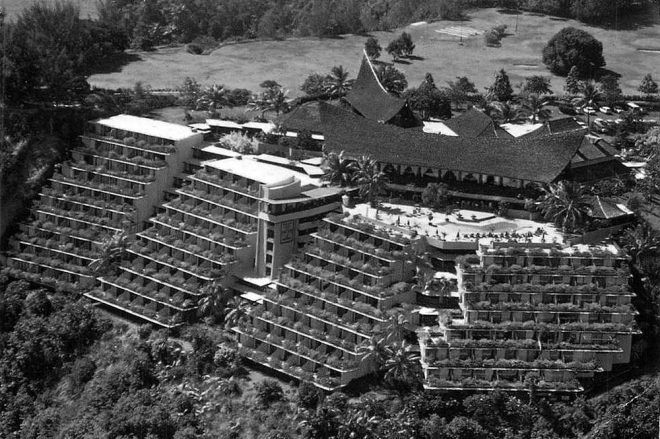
column 605, row 110
column 635, row 108
column 589, row 110
column 601, row 126
column 619, row 109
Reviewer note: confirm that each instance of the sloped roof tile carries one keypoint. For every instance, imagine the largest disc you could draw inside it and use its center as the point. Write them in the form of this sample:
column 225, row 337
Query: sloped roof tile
column 540, row 159
column 369, row 98
column 472, row 123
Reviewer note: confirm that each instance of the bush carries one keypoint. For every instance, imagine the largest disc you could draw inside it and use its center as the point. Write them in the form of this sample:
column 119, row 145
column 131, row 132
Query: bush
column 224, row 357
column 38, row 304
column 144, row 331
column 82, row 371
column 195, row 49
column 239, row 142
column 268, row 392
column 309, row 396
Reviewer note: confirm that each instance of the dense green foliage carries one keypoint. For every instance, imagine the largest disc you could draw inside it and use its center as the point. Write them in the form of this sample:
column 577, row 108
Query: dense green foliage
column 590, row 11
column 428, row 100
column 151, row 22
column 501, row 89
column 50, row 51
column 573, row 47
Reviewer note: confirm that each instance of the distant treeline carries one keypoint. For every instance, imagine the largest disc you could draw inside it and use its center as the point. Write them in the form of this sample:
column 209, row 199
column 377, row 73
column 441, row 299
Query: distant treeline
column 588, row 11
column 151, row 22
column 146, row 23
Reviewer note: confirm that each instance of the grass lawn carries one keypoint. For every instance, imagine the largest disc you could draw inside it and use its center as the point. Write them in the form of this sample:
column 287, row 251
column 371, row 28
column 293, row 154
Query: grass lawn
column 290, row 61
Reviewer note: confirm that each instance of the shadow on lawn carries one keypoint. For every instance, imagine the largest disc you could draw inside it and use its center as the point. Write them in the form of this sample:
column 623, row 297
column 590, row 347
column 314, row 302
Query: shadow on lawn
column 509, row 11
column 602, row 72
column 115, row 62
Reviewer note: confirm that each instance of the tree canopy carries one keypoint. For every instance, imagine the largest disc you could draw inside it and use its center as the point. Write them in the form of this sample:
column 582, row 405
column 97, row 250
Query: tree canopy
column 573, row 47
column 648, row 85
column 372, row 47
column 501, row 89
column 392, row 79
column 428, row 100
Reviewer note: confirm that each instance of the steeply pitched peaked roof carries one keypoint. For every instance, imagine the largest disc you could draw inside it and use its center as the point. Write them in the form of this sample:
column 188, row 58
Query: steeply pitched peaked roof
column 541, row 159
column 369, row 98
column 303, row 117
column 472, row 123
column 607, row 209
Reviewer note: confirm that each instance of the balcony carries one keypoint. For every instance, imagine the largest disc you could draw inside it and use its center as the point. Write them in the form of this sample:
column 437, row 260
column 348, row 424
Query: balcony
column 220, row 201
column 135, row 308
column 101, row 158
column 212, row 180
column 85, row 200
column 139, row 145
column 330, row 297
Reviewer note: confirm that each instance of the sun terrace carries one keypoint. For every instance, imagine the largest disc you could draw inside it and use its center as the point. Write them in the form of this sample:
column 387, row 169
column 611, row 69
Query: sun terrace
column 466, row 226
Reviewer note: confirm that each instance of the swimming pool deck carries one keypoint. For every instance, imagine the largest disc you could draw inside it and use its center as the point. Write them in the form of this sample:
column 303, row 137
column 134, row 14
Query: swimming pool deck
column 459, row 226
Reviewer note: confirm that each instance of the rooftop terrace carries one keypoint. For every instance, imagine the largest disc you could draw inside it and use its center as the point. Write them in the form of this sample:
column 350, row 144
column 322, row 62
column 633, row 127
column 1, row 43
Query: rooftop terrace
column 460, row 225
column 264, row 173
column 148, row 127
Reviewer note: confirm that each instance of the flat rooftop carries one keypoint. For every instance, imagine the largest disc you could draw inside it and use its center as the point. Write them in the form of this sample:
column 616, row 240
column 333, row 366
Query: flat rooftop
column 517, row 129
column 148, row 127
column 224, row 152
column 264, row 173
column 460, row 225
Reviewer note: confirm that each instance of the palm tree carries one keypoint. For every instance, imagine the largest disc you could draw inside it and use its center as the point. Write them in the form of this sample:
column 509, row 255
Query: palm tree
column 214, row 300
column 337, row 82
column 235, row 311
column 590, row 95
column 357, row 423
column 392, row 79
column 506, row 112
column 566, row 203
column 273, row 99
column 402, row 366
column 641, row 242
column 374, row 352
column 371, row 180
column 339, row 170
column 396, row 326
column 212, row 97
column 113, row 251
column 533, row 105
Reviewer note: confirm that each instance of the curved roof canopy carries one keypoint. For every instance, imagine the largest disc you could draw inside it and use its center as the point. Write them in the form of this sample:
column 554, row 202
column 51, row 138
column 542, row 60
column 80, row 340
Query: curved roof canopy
column 369, row 98
column 541, row 159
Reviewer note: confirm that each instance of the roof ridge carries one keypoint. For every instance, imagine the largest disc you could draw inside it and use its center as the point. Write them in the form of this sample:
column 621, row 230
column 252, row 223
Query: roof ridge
column 371, row 66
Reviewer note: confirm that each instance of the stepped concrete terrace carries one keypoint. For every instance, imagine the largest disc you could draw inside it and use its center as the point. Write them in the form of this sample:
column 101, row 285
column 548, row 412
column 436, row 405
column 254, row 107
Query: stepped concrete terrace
column 533, row 314
column 336, row 294
column 111, row 183
column 234, row 216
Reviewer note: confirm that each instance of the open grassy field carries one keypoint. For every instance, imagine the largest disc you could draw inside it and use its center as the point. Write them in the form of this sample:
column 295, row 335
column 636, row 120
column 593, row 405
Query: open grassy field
column 290, row 61
column 14, row 7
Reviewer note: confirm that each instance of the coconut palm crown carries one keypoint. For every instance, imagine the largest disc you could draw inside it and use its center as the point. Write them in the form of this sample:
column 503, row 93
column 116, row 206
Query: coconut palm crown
column 370, row 179
column 566, row 204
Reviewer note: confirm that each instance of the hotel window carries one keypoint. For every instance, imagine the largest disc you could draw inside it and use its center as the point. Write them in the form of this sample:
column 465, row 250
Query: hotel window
column 269, row 259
